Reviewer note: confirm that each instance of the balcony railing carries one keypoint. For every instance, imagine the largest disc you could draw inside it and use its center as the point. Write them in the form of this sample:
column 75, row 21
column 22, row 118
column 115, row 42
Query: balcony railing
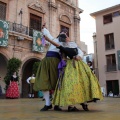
column 20, row 29
column 111, row 67
column 109, row 46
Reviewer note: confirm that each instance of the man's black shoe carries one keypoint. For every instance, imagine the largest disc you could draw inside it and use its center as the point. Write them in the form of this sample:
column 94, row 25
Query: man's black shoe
column 45, row 108
column 57, row 108
column 43, row 99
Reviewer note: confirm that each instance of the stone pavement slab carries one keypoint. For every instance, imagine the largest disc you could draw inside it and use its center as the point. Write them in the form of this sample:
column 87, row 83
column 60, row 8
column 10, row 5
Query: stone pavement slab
column 29, row 109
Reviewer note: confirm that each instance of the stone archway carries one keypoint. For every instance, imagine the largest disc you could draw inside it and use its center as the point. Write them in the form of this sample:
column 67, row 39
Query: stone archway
column 3, row 70
column 27, row 72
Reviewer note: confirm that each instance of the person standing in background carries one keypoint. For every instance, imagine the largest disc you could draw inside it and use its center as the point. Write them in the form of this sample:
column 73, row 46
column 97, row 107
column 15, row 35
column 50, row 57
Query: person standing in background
column 89, row 63
column 13, row 90
column 31, row 81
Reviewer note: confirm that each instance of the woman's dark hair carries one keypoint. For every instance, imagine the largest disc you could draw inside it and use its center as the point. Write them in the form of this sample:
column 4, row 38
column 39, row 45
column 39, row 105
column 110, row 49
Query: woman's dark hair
column 63, row 36
column 90, row 63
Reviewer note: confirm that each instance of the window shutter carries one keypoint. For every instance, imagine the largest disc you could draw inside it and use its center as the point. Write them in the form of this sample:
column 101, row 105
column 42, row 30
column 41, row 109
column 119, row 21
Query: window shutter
column 118, row 56
column 2, row 11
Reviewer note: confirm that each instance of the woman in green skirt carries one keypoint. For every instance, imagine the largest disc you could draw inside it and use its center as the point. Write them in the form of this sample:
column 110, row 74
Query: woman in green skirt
column 76, row 83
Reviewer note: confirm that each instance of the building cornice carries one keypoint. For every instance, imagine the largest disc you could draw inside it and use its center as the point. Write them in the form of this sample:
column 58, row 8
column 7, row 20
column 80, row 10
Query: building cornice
column 16, row 34
column 105, row 10
column 71, row 5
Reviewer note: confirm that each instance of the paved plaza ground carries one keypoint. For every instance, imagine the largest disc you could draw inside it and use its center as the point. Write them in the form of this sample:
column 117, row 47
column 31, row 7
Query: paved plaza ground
column 29, row 109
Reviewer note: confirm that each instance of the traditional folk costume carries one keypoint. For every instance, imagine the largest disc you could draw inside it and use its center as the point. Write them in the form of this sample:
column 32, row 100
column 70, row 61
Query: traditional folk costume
column 13, row 91
column 47, row 73
column 76, row 83
column 31, row 81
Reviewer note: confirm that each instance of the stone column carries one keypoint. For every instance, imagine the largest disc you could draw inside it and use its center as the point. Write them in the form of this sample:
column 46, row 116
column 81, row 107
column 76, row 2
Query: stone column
column 77, row 27
column 77, row 3
column 52, row 16
column 95, row 55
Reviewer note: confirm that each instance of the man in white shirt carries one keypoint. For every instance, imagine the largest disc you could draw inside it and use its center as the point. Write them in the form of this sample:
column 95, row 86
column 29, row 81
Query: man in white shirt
column 31, row 81
column 47, row 73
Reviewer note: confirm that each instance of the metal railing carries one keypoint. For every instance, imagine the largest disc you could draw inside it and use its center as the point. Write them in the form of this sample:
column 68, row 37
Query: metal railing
column 20, row 29
column 111, row 67
column 109, row 46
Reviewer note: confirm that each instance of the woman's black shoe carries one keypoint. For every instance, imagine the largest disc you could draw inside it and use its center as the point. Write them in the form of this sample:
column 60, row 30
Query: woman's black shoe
column 57, row 108
column 85, row 107
column 45, row 108
column 72, row 109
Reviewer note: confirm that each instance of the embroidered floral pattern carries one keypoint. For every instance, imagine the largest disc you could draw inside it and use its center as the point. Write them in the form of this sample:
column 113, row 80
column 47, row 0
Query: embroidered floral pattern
column 79, row 85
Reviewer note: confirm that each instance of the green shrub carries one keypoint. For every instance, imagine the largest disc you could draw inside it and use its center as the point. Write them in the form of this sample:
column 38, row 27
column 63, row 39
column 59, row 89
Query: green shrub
column 35, row 67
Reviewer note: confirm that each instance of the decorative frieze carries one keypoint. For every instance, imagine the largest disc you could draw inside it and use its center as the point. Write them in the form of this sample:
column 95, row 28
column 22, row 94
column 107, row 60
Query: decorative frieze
column 76, row 15
column 52, row 6
column 66, row 19
column 18, row 49
column 36, row 6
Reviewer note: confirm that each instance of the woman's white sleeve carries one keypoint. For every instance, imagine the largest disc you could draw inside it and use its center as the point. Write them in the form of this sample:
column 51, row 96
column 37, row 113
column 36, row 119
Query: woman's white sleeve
column 28, row 80
column 80, row 53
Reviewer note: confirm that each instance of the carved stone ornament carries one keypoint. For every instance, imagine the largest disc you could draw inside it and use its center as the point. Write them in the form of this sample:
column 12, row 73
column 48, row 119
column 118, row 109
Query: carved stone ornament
column 66, row 19
column 37, row 6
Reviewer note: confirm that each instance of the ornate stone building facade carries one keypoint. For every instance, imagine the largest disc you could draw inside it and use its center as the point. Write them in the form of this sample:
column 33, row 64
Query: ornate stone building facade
column 24, row 16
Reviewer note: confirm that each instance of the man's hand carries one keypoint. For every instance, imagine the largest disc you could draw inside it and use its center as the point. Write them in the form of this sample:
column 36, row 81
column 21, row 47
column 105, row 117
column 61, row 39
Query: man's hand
column 44, row 25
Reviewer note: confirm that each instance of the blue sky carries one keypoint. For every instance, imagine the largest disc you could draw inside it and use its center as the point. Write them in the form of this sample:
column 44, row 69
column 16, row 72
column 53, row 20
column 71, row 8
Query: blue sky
column 87, row 23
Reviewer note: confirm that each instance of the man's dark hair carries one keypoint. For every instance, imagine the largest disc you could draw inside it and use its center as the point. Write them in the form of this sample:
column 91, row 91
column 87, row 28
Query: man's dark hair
column 64, row 30
column 62, row 37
